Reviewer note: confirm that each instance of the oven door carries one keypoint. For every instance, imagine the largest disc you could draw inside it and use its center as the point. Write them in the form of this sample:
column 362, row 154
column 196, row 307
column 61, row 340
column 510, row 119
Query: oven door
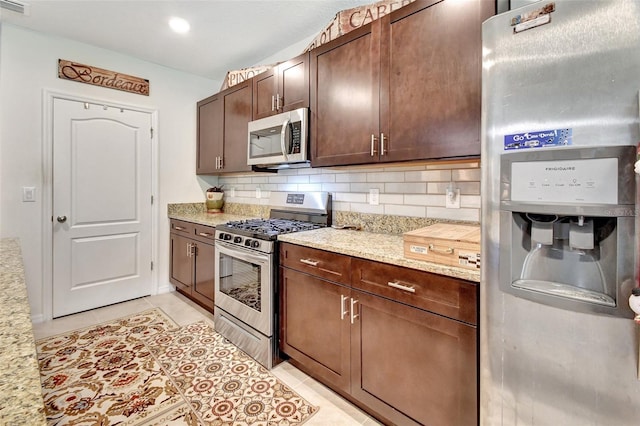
column 244, row 285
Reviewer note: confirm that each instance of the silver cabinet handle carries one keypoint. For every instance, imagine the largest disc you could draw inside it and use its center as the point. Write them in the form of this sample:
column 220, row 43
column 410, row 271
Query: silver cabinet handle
column 205, row 234
column 273, row 103
column 399, row 286
column 178, row 228
column 61, row 219
column 448, row 250
column 353, row 314
column 188, row 249
column 309, row 262
column 373, row 143
column 381, row 143
column 343, row 312
column 278, row 101
column 222, row 162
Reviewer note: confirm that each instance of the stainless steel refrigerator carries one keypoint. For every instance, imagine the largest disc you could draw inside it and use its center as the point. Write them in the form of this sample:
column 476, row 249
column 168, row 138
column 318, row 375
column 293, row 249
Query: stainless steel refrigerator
column 560, row 130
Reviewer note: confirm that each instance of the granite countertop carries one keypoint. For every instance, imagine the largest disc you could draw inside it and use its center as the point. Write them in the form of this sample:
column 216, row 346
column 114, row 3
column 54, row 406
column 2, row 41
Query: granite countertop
column 384, row 244
column 204, row 218
column 387, row 248
column 197, row 213
column 20, row 388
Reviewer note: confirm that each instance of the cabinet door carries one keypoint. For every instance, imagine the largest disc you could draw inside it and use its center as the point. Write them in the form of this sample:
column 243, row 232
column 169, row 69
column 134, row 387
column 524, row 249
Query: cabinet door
column 282, row 88
column 314, row 331
column 204, row 274
column 293, row 83
column 181, row 274
column 237, row 114
column 431, row 79
column 264, row 91
column 210, row 134
column 412, row 366
column 345, row 98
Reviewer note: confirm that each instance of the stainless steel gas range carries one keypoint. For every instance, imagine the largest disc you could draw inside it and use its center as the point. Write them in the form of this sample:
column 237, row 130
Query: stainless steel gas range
column 246, row 253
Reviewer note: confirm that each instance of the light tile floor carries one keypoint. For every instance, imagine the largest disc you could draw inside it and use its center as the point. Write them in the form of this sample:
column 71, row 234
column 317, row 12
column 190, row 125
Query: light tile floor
column 334, row 410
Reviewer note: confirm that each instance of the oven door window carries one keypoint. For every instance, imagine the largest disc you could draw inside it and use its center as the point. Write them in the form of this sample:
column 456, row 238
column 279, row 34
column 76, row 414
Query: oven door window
column 241, row 280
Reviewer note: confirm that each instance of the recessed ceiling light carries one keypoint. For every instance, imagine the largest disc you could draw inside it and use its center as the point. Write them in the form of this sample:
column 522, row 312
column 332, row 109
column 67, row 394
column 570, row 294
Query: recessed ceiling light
column 179, row 25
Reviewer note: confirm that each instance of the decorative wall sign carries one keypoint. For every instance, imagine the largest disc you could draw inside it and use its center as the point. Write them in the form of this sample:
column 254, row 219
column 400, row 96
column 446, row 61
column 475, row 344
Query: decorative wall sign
column 350, row 19
column 68, row 70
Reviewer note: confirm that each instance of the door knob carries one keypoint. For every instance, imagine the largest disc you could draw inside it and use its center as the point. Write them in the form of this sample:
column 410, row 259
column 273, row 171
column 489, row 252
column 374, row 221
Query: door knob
column 62, row 219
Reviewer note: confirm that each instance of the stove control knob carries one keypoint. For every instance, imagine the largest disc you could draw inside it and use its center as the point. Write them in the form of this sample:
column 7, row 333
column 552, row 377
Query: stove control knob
column 237, row 239
column 248, row 242
column 221, row 236
column 255, row 243
column 227, row 237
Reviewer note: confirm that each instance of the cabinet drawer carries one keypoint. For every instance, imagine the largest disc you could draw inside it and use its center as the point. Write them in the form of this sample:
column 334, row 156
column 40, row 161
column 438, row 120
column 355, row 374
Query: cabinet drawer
column 206, row 232
column 181, row 227
column 442, row 295
column 323, row 264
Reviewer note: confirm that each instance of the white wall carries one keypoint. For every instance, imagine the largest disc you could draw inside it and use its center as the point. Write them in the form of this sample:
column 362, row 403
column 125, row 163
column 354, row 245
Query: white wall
column 28, row 65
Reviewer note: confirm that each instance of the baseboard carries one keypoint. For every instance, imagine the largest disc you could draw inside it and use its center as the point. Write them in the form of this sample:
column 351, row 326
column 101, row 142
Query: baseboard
column 167, row 288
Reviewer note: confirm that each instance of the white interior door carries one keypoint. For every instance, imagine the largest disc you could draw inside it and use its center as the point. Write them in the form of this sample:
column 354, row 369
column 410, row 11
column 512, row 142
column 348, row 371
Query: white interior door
column 101, row 205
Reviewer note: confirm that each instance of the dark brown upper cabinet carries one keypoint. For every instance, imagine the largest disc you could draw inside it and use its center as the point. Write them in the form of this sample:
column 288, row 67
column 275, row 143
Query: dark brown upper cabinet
column 284, row 87
column 405, row 87
column 222, row 130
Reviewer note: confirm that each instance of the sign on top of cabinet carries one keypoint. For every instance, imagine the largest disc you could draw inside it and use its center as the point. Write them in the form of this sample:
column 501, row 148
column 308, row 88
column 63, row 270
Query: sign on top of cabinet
column 284, row 87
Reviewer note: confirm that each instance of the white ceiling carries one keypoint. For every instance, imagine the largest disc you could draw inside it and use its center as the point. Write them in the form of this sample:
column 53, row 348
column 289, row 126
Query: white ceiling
column 225, row 34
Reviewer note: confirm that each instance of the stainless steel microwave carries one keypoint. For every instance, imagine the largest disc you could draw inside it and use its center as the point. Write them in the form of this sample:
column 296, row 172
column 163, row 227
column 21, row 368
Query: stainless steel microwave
column 279, row 141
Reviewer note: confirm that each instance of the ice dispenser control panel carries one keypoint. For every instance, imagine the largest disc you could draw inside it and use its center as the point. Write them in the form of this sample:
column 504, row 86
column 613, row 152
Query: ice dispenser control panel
column 592, row 181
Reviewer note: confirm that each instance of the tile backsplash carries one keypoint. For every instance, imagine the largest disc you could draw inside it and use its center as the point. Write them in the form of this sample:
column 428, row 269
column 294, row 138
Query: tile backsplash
column 411, row 190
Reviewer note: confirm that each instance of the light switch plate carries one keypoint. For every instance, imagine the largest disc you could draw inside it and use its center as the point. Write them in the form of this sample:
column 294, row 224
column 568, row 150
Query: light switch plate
column 28, row 194
column 258, row 193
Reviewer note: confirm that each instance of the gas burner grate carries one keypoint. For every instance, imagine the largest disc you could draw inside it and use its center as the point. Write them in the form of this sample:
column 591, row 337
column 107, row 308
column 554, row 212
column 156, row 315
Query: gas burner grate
column 270, row 227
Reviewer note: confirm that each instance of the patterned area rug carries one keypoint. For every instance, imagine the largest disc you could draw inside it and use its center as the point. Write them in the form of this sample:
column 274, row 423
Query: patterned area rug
column 145, row 370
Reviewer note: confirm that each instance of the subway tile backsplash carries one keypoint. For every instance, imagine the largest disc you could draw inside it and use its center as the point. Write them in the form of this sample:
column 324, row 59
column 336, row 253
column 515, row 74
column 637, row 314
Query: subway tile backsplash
column 412, row 191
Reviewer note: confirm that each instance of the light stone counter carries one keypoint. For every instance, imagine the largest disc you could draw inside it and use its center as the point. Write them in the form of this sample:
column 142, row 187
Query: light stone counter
column 197, row 213
column 381, row 241
column 386, row 248
column 20, row 389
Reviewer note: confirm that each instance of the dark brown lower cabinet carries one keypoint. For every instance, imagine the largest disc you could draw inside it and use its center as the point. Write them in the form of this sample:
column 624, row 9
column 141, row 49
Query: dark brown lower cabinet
column 372, row 340
column 192, row 261
column 412, row 366
column 314, row 331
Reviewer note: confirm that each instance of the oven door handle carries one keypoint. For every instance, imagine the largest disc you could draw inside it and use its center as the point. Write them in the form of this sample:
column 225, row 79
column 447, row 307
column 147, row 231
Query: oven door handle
column 242, row 254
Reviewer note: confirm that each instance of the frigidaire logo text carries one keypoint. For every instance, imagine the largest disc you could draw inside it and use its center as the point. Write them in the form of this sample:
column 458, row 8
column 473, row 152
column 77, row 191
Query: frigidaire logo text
column 560, row 169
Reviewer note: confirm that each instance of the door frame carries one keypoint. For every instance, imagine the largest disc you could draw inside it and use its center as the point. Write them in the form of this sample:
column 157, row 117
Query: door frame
column 48, row 97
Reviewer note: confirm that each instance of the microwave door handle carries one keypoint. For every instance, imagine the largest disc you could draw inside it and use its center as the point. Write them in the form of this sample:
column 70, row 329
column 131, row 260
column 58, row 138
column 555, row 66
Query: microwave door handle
column 283, row 135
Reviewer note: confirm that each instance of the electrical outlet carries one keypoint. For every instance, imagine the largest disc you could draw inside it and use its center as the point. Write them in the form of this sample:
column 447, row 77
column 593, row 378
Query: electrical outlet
column 452, row 198
column 258, row 193
column 232, row 192
column 374, row 196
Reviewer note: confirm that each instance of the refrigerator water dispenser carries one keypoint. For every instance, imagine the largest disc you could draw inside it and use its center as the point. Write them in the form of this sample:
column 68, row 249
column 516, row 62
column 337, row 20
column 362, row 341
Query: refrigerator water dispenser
column 567, row 227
